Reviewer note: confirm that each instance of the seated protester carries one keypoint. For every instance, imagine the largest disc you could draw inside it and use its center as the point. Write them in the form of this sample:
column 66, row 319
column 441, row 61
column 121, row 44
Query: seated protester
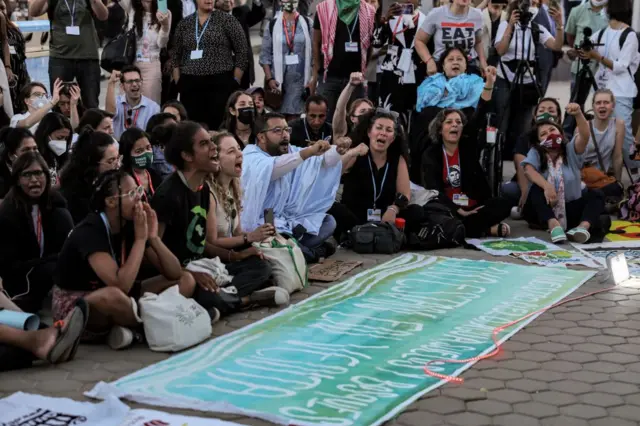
column 36, row 104
column 185, row 205
column 160, row 136
column 257, row 94
column 452, row 87
column 176, row 109
column 137, row 158
column 313, row 126
column 34, row 224
column 97, row 119
column 102, row 257
column 160, row 119
column 16, row 142
column 57, row 344
column 53, row 138
column 376, row 176
column 346, row 116
column 299, row 187
column 70, row 103
column 95, row 153
column 516, row 189
column 604, row 149
column 556, row 200
column 240, row 117
column 132, row 109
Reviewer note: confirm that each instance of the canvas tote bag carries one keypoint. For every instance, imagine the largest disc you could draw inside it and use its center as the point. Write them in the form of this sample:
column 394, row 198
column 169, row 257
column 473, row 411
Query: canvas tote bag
column 286, row 260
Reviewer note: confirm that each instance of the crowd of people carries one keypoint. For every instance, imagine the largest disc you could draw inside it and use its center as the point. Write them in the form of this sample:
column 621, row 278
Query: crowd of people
column 364, row 116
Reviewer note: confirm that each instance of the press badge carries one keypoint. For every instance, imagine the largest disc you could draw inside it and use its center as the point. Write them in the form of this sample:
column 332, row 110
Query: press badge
column 461, row 200
column 12, row 50
column 351, row 46
column 73, row 30
column 196, row 54
column 374, row 215
column 291, row 60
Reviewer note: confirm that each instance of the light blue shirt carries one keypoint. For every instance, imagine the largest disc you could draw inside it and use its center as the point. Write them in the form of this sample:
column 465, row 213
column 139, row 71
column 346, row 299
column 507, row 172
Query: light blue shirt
column 570, row 171
column 139, row 115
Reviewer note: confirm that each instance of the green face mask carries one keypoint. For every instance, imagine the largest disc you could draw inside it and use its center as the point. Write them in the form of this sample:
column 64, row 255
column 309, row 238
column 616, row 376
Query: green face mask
column 142, row 161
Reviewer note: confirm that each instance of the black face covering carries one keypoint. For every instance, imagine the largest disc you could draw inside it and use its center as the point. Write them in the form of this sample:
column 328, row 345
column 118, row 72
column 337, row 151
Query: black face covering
column 246, row 115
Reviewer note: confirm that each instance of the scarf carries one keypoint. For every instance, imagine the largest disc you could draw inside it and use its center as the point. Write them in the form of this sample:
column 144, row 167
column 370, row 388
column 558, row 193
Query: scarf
column 347, row 10
column 462, row 91
column 278, row 43
column 556, row 179
column 327, row 12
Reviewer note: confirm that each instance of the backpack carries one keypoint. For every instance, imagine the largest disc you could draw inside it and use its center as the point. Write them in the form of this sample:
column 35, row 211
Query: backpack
column 376, row 237
column 636, row 76
column 439, row 229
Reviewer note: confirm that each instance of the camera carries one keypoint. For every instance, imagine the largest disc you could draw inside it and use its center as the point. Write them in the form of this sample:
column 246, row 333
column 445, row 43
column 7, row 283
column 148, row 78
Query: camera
column 586, row 44
column 523, row 10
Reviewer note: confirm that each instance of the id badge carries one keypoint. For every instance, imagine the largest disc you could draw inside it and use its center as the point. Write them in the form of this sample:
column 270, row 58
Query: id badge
column 602, row 78
column 196, row 54
column 73, row 30
column 12, row 50
column 460, row 200
column 374, row 215
column 291, row 60
column 351, row 46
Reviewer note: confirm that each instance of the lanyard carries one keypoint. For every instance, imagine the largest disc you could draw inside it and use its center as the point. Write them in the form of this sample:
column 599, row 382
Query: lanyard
column 405, row 28
column 204, row 28
column 134, row 120
column 39, row 232
column 72, row 10
column 290, row 42
column 446, row 160
column 352, row 29
column 376, row 195
column 151, row 189
column 184, row 180
column 304, row 122
column 113, row 253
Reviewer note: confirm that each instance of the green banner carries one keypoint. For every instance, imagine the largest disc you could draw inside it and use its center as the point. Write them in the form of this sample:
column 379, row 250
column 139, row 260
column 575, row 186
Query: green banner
column 354, row 354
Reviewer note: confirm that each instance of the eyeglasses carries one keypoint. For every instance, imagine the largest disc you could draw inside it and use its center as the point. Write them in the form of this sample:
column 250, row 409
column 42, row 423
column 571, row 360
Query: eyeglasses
column 133, row 194
column 136, row 81
column 32, row 174
column 278, row 130
column 38, row 95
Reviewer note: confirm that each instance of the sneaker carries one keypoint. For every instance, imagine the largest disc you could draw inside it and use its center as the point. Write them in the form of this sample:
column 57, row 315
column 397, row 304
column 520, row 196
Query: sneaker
column 120, row 338
column 214, row 313
column 270, row 296
column 516, row 213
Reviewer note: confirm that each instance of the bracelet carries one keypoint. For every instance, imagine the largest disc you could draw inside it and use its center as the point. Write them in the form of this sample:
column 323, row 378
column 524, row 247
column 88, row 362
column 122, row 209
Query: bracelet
column 7, row 66
column 393, row 209
column 430, row 59
column 488, row 89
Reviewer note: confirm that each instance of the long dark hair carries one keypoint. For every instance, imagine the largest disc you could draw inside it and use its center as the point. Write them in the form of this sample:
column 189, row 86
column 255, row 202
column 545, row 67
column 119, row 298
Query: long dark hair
column 398, row 148
column 435, row 127
column 106, row 185
column 93, row 117
column 138, row 15
column 446, row 53
column 66, row 91
column 12, row 138
column 229, row 123
column 127, row 140
column 16, row 195
column 181, row 140
column 82, row 168
column 50, row 123
column 534, row 142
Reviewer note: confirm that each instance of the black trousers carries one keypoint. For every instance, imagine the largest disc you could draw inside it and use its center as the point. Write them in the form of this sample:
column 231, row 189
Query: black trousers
column 346, row 219
column 587, row 208
column 249, row 275
column 494, row 211
column 205, row 97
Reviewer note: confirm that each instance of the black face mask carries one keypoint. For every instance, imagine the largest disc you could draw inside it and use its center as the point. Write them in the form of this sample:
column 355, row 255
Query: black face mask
column 246, row 115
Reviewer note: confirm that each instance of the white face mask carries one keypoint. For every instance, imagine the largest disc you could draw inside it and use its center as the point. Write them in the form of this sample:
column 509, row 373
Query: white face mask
column 534, row 11
column 58, row 147
column 599, row 3
column 40, row 102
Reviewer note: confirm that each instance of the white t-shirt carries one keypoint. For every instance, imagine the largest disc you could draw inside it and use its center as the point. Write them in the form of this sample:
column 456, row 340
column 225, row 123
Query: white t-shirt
column 618, row 80
column 448, row 30
column 19, row 117
column 517, row 52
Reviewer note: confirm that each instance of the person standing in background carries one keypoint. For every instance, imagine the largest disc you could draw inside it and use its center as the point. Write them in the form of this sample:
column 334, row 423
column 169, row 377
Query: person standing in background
column 73, row 48
column 341, row 38
column 179, row 9
column 491, row 17
column 17, row 53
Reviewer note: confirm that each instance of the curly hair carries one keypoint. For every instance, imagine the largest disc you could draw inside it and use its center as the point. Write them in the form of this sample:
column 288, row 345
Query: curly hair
column 435, row 127
column 221, row 194
column 399, row 147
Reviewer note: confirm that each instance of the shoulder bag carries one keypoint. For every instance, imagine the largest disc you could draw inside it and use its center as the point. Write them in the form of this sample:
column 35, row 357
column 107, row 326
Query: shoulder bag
column 120, row 51
column 286, row 260
column 593, row 177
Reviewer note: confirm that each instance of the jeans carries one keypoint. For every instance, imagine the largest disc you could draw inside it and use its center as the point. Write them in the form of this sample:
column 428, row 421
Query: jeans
column 587, row 208
column 511, row 191
column 331, row 89
column 624, row 111
column 494, row 211
column 85, row 71
column 309, row 242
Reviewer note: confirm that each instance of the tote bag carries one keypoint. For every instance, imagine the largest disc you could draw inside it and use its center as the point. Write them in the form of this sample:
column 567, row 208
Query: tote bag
column 172, row 322
column 287, row 261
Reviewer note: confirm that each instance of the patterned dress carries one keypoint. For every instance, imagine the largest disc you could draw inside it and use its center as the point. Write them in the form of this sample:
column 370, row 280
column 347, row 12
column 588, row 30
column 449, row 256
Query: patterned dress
column 18, row 63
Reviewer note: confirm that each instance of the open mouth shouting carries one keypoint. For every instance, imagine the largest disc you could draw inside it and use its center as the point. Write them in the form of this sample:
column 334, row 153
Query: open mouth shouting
column 35, row 189
column 238, row 167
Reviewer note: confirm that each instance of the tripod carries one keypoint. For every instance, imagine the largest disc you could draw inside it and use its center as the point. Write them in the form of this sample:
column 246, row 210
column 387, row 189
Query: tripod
column 584, row 82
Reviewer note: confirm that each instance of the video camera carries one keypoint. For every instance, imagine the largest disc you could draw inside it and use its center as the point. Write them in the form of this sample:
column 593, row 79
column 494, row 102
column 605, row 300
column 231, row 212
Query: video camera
column 586, row 44
column 525, row 14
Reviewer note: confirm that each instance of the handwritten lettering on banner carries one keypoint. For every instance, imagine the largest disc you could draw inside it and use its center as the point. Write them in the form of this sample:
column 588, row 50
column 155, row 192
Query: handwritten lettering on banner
column 354, row 354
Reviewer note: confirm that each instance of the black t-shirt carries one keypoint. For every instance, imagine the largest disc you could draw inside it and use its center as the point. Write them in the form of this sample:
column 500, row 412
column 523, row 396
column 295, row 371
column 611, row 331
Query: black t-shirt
column 301, row 132
column 184, row 214
column 88, row 237
column 343, row 63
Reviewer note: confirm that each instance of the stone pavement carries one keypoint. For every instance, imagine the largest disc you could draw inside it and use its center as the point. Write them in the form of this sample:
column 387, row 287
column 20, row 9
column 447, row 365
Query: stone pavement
column 578, row 364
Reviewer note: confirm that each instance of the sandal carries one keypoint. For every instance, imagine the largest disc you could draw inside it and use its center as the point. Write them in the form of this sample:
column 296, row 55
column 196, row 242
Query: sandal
column 84, row 307
column 558, row 235
column 69, row 333
column 579, row 235
column 504, row 230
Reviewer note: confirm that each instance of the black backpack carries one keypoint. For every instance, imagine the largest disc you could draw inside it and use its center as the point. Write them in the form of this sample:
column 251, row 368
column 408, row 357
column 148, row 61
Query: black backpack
column 439, row 229
column 376, row 237
column 636, row 77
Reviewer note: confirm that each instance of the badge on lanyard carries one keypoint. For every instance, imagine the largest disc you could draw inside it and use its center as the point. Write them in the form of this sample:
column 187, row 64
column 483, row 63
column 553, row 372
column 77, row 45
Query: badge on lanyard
column 374, row 215
column 352, row 46
column 72, row 29
column 461, row 200
column 197, row 53
column 291, row 59
column 12, row 50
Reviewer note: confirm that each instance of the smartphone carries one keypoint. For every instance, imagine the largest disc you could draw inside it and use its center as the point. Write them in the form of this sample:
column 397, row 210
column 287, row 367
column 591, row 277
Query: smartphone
column 268, row 216
column 162, row 6
column 69, row 83
column 406, row 9
column 555, row 4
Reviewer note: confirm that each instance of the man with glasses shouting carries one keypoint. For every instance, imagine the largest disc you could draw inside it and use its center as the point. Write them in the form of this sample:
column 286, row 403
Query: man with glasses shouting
column 298, row 184
column 130, row 109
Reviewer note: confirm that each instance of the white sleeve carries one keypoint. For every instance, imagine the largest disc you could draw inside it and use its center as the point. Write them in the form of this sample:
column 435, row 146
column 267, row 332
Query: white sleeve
column 627, row 54
column 545, row 35
column 502, row 28
column 285, row 164
column 331, row 157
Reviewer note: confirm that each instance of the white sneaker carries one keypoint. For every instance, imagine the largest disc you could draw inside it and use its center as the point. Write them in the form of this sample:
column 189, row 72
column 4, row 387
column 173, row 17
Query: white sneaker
column 120, row 338
column 516, row 213
column 214, row 313
column 270, row 296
